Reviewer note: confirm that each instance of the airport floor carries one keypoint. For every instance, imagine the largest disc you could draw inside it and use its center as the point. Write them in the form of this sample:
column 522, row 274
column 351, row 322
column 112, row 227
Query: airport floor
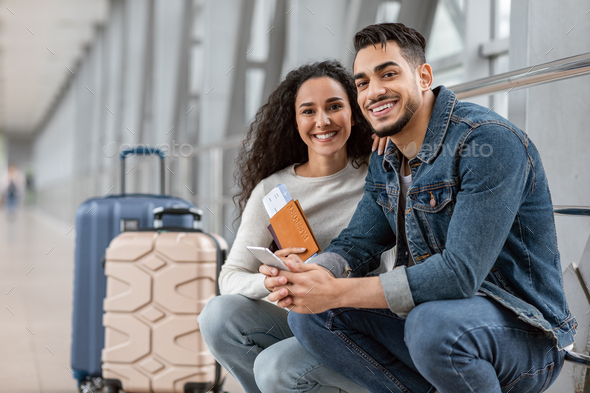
column 36, row 277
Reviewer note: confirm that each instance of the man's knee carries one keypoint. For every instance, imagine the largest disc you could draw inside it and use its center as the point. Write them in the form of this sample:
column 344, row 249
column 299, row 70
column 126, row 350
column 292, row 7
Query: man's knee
column 306, row 327
column 436, row 329
column 427, row 331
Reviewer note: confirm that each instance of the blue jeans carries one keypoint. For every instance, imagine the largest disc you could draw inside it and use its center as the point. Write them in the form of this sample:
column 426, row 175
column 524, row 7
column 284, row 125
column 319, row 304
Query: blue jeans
column 251, row 339
column 456, row 346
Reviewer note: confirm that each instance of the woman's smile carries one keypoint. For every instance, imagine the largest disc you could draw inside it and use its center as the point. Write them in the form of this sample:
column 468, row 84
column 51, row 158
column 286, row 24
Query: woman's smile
column 326, row 136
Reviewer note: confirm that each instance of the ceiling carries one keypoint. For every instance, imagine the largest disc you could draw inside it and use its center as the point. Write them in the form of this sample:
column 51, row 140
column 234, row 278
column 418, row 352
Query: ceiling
column 39, row 41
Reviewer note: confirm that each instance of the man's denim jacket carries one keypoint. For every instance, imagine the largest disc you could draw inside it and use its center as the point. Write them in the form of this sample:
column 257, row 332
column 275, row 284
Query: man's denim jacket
column 478, row 217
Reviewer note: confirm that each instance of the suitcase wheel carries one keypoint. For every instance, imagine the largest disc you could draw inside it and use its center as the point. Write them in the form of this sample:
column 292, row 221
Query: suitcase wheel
column 91, row 385
column 112, row 386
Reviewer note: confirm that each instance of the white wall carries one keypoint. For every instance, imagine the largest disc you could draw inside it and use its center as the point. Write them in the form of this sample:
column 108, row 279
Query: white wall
column 555, row 115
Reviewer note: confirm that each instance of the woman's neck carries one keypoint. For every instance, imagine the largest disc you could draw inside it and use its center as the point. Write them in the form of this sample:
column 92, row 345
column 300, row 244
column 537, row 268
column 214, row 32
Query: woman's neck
column 320, row 166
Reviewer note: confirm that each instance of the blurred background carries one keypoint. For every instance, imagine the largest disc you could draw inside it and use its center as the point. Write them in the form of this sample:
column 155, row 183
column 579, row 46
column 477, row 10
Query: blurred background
column 80, row 80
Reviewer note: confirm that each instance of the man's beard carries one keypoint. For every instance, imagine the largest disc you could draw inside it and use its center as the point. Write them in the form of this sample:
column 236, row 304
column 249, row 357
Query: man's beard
column 399, row 125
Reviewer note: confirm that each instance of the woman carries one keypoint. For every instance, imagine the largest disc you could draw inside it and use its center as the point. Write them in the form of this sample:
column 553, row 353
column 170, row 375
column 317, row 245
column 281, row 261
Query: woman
column 312, row 137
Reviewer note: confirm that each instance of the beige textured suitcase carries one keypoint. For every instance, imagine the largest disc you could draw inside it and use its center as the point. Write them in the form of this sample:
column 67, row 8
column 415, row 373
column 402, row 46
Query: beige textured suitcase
column 157, row 284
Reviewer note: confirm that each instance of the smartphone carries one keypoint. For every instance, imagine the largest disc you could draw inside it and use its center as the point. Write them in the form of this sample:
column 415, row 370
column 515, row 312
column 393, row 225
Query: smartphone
column 267, row 257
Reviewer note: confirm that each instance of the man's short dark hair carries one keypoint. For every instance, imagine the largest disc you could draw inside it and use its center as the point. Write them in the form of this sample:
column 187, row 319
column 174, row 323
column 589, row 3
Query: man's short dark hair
column 410, row 41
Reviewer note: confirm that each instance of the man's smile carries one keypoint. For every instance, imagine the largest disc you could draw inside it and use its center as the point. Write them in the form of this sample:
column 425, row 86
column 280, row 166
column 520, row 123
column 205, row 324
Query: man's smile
column 382, row 108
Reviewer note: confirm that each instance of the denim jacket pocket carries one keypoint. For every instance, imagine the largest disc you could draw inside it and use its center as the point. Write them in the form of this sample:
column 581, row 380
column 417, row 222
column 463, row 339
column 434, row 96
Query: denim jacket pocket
column 433, row 208
column 383, row 199
column 496, row 277
column 432, row 200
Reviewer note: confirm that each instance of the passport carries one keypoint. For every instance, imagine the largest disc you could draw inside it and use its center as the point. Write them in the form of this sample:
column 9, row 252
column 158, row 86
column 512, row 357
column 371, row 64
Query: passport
column 290, row 227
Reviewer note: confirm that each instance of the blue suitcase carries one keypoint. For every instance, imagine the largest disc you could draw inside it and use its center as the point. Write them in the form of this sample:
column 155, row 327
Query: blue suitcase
column 98, row 221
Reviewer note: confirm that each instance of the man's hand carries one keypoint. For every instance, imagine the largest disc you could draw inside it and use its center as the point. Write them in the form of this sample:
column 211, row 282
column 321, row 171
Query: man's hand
column 311, row 289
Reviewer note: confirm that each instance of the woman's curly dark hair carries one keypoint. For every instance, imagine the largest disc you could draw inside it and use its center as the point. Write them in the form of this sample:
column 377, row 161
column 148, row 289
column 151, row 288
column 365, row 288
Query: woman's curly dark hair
column 273, row 142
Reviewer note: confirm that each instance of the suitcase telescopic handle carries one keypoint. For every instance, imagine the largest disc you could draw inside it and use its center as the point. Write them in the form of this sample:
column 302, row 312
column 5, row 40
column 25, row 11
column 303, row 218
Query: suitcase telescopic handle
column 159, row 212
column 143, row 150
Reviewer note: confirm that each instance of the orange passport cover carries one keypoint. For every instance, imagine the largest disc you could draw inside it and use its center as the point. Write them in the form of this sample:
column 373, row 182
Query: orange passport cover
column 293, row 230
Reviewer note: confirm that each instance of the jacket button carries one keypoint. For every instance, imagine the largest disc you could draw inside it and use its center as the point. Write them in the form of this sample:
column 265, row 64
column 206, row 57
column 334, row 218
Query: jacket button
column 432, row 203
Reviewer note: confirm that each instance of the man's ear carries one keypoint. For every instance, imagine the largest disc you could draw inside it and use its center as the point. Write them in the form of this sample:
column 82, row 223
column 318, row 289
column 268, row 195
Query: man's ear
column 425, row 76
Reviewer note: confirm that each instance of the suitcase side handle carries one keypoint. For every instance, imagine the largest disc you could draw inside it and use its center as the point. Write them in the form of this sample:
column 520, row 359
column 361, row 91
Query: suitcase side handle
column 159, row 212
column 221, row 255
column 143, row 150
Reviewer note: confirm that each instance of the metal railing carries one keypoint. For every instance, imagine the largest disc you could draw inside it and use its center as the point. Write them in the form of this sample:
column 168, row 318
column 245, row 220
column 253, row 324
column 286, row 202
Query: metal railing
column 563, row 210
column 565, row 68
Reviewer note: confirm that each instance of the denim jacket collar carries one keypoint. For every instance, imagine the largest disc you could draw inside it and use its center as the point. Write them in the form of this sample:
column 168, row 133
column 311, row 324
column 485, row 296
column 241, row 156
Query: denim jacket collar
column 439, row 124
column 435, row 134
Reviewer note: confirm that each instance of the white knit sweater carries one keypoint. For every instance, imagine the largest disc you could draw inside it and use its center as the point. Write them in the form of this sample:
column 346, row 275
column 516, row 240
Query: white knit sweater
column 328, row 202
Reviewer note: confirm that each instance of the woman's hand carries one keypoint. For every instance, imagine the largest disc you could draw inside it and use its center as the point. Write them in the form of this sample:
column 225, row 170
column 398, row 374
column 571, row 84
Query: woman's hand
column 379, row 143
column 286, row 254
column 272, row 279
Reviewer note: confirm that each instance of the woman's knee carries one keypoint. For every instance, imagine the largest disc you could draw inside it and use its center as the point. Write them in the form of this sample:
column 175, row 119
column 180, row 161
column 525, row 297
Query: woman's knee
column 268, row 369
column 214, row 320
column 282, row 367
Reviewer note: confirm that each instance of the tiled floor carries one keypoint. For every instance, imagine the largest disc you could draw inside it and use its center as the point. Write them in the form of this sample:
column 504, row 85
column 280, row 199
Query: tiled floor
column 36, row 277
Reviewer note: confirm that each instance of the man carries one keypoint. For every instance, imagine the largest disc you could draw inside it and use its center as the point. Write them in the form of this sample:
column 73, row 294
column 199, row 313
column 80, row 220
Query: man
column 476, row 302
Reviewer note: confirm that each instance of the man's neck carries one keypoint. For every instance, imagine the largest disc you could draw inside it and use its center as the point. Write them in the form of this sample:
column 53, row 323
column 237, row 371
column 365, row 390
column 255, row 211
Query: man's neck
column 410, row 139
